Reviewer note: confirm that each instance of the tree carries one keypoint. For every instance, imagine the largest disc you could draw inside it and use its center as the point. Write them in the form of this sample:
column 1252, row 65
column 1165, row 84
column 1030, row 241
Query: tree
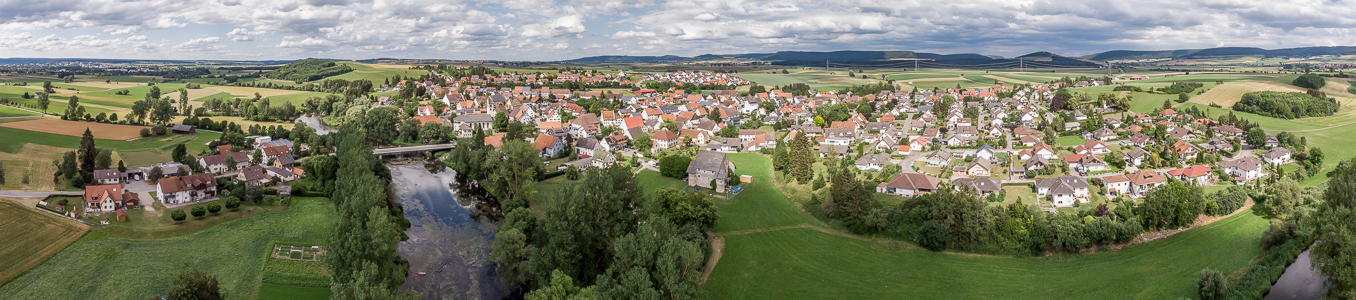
column 517, row 175
column 802, row 159
column 178, row 215
column 199, row 211
column 1286, row 194
column 562, row 288
column 179, row 152
column 43, row 102
column 155, row 174
column 161, row 112
column 230, row 163
column 194, row 285
column 1316, row 156
column 1336, row 235
column 1256, row 136
column 931, row 236
column 849, row 199
column 71, row 108
column 213, row 207
column 257, row 157
column 381, row 124
column 88, row 154
column 1210, row 285
column 232, row 202
column 674, row 166
column 1167, row 104
column 684, row 207
column 2, row 173
column 1309, row 81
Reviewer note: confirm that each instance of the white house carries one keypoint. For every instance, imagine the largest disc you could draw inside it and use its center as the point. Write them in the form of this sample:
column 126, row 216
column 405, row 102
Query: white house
column 185, row 189
column 1276, row 156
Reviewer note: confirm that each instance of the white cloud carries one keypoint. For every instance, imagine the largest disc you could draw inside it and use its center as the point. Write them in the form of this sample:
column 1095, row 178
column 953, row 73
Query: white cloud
column 631, row 34
column 243, row 35
column 207, row 44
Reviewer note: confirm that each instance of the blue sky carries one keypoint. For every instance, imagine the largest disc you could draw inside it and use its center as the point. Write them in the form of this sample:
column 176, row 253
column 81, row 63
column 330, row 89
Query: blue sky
column 554, row 30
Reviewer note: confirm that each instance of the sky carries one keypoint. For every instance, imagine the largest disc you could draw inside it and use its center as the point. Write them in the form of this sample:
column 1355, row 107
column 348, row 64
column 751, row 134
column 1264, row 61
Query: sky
column 532, row 30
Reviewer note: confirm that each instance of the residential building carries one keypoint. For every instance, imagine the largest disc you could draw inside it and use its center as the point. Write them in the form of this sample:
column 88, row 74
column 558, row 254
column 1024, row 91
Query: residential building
column 186, row 189
column 1064, row 190
column 909, row 185
column 108, row 198
column 708, row 167
column 1275, row 156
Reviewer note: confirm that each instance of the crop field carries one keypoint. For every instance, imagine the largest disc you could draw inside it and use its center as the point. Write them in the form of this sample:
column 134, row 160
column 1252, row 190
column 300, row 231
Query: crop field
column 1229, row 93
column 75, row 128
column 16, row 138
column 32, row 161
column 31, row 237
column 104, row 266
column 775, row 251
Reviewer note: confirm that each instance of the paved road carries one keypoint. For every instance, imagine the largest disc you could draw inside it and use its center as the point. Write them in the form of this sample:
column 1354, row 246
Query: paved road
column 25, row 194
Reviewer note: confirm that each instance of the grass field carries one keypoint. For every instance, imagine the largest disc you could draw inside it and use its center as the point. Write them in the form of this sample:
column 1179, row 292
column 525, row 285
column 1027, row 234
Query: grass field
column 143, row 225
column 6, row 112
column 31, row 160
column 286, row 292
column 1266, row 122
column 1229, row 93
column 31, row 237
column 772, row 252
column 103, row 266
column 75, row 128
column 1071, row 140
column 15, row 138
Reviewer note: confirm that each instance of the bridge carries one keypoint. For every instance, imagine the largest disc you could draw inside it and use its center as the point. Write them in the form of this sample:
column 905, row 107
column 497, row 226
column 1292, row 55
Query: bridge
column 384, row 153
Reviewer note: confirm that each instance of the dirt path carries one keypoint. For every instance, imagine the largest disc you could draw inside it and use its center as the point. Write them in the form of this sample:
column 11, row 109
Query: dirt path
column 717, row 248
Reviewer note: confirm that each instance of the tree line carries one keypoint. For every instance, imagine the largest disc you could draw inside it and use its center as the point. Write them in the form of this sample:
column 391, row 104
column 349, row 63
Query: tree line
column 1285, row 105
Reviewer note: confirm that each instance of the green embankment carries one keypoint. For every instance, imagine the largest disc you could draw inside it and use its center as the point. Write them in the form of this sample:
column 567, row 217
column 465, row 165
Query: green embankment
column 775, row 251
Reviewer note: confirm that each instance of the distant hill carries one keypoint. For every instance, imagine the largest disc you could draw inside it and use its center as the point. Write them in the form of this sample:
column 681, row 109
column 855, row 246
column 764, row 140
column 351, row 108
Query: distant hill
column 1220, row 52
column 811, row 58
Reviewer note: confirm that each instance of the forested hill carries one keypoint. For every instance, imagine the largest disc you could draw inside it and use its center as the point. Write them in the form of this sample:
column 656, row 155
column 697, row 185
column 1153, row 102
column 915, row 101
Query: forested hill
column 308, row 70
column 855, row 58
column 1222, row 51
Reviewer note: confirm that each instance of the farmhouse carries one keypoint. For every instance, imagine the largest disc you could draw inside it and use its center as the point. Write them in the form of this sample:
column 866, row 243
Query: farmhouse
column 107, row 198
column 185, row 189
column 708, row 167
column 111, row 176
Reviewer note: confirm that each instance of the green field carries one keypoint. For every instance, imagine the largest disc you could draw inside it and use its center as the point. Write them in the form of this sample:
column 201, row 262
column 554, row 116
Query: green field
column 141, row 225
column 102, row 266
column 6, row 111
column 15, row 138
column 31, row 237
column 1069, row 141
column 285, row 292
column 773, row 251
column 1266, row 122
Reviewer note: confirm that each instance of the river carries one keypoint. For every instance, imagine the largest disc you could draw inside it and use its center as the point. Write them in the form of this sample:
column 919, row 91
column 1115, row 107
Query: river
column 449, row 236
column 314, row 121
column 1298, row 282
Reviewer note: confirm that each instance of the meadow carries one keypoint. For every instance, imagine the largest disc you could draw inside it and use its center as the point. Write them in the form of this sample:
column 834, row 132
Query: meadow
column 773, row 250
column 16, row 138
column 6, row 112
column 104, row 266
column 31, row 237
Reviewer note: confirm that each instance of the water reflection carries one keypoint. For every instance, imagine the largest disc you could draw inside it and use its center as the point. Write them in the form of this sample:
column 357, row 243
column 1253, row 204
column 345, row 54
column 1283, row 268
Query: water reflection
column 1299, row 281
column 314, row 121
column 450, row 234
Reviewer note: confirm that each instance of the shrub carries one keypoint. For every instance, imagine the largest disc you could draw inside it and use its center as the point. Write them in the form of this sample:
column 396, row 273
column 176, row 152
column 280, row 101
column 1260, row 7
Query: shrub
column 674, row 166
column 1210, row 285
column 213, row 207
column 178, row 215
column 931, row 236
column 819, row 183
column 158, row 130
column 145, row 132
column 272, row 200
column 1182, row 87
column 1310, row 81
column 199, row 211
column 232, row 202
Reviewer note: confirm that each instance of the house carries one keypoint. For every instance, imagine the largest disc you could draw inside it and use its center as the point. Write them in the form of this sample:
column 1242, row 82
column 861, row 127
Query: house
column 281, row 174
column 1182, row 133
column 108, row 198
column 1101, row 134
column 909, row 185
column 1063, row 190
column 1228, row 130
column 1185, row 150
column 1275, row 156
column 1116, row 185
column 253, row 175
column 984, row 151
column 979, row 168
column 1092, row 163
column 1142, row 181
column 548, row 145
column 709, row 167
column 938, row 158
column 217, row 163
column 1243, row 169
column 185, row 189
column 873, row 161
column 587, row 147
column 1035, row 163
column 1198, row 174
column 983, row 185
column 603, row 159
column 665, row 139
column 271, row 153
column 1092, row 147
column 473, row 120
column 111, row 176
column 285, row 161
column 182, row 129
column 1044, row 150
column 1136, row 156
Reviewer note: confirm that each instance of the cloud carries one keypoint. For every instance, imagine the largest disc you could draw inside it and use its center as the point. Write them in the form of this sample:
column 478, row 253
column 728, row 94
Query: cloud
column 243, row 35
column 207, row 44
column 535, row 29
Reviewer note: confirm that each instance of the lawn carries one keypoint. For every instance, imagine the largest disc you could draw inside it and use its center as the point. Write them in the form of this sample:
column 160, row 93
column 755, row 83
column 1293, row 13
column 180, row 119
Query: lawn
column 1268, row 123
column 652, row 181
column 143, row 225
column 1070, row 140
column 278, row 291
column 31, row 237
column 104, row 266
column 764, row 258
